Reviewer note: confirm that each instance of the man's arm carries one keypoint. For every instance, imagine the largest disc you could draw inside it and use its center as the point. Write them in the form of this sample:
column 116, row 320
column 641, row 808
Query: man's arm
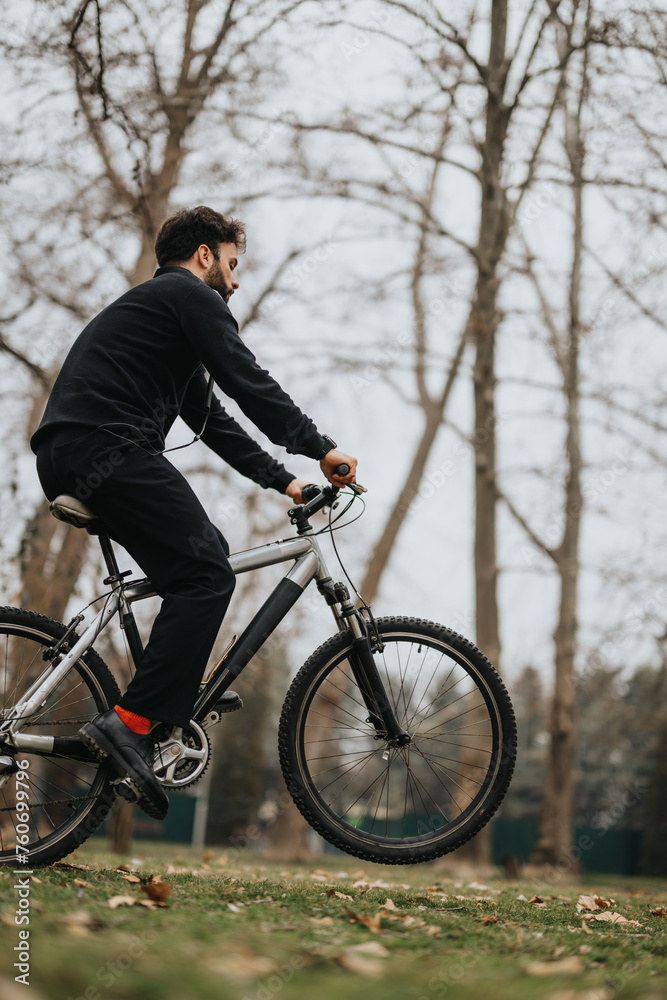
column 213, row 334
column 226, row 438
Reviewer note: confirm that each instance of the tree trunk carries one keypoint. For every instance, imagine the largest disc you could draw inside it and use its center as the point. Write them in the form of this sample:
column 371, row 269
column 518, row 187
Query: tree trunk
column 484, row 323
column 555, row 837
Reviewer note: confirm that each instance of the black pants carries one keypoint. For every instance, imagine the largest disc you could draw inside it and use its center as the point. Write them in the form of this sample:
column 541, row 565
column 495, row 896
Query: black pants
column 149, row 508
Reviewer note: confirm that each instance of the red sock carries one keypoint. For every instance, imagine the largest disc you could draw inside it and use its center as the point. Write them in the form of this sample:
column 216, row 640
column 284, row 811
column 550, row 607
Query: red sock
column 137, row 723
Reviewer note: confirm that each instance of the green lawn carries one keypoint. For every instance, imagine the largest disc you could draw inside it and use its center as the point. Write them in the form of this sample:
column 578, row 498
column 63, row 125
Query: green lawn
column 237, row 927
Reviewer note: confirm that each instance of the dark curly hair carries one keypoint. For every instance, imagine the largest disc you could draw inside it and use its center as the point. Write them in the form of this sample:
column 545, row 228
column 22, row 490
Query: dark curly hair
column 181, row 234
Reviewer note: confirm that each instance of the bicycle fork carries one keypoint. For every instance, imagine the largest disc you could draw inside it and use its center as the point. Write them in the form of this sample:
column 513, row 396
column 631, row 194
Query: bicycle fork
column 367, row 676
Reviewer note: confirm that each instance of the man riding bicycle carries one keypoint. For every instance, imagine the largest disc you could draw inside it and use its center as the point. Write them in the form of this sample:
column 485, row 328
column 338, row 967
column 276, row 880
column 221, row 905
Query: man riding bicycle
column 138, row 365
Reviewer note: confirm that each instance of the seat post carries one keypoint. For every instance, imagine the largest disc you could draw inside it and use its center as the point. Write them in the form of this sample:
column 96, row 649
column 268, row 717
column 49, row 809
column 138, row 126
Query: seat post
column 109, row 554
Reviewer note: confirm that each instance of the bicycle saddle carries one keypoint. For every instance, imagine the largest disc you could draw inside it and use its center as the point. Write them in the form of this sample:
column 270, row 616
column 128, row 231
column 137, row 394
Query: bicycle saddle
column 73, row 511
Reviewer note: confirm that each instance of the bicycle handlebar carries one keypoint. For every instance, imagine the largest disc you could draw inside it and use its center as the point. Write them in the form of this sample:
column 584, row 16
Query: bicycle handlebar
column 316, row 497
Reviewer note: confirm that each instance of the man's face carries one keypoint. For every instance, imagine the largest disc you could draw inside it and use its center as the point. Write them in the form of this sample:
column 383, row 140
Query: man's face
column 221, row 273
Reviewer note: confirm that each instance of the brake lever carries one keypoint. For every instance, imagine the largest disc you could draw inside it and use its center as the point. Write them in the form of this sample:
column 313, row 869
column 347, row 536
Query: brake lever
column 342, row 470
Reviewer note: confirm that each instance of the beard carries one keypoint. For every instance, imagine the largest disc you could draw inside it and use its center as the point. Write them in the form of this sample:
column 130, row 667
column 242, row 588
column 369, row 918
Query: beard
column 215, row 279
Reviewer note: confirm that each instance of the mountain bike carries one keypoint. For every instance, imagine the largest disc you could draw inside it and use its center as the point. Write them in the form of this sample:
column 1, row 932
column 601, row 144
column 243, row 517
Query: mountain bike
column 397, row 738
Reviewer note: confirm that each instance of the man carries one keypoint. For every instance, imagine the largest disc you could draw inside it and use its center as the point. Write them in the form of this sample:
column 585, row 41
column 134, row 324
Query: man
column 137, row 366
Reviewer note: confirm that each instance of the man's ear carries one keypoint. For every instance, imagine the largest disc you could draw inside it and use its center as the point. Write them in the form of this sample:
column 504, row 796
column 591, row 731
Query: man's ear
column 204, row 256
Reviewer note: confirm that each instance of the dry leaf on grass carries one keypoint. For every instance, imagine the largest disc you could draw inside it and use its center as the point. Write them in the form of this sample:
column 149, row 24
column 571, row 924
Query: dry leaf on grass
column 79, row 922
column 242, row 964
column 156, row 889
column 613, row 918
column 115, row 901
column 322, row 921
column 489, row 919
column 337, row 894
column 362, row 959
column 433, row 931
column 593, row 903
column 389, row 904
column 33, row 878
column 571, row 966
column 373, row 948
column 537, row 901
column 372, row 923
column 130, row 877
column 659, row 911
column 66, row 864
column 233, row 907
column 319, row 876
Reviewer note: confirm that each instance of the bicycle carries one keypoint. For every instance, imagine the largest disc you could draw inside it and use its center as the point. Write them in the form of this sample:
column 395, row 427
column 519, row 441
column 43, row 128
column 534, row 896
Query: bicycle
column 397, row 738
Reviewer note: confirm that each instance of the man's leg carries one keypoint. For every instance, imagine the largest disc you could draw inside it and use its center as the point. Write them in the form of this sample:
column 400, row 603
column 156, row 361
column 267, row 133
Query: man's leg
column 151, row 510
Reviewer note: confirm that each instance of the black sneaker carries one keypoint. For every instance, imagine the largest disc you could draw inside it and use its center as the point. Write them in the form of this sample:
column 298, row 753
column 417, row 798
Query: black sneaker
column 229, row 701
column 131, row 754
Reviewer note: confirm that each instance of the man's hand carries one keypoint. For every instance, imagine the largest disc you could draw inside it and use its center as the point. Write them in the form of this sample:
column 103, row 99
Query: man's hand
column 335, row 458
column 294, row 490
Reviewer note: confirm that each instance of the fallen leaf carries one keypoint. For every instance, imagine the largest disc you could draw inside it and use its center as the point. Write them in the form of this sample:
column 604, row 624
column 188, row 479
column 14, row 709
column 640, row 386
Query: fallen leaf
column 123, row 868
column 242, row 964
column 233, row 907
column 370, row 948
column 208, row 856
column 337, row 894
column 131, row 878
column 66, row 864
column 536, row 899
column 156, row 889
column 660, row 911
column 592, row 903
column 360, row 964
column 33, row 878
column 613, row 918
column 389, row 904
column 82, row 882
column 322, row 921
column 489, row 919
column 79, row 922
column 372, row 923
column 116, row 901
column 571, row 966
column 433, row 931
column 584, row 949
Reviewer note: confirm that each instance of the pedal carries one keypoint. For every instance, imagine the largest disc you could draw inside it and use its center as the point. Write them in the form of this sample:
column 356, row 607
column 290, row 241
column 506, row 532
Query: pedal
column 126, row 789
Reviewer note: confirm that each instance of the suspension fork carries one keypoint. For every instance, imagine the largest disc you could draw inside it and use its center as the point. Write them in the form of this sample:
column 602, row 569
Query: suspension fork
column 367, row 676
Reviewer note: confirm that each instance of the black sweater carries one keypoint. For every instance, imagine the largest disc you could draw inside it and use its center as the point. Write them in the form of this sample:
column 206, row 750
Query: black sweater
column 140, row 363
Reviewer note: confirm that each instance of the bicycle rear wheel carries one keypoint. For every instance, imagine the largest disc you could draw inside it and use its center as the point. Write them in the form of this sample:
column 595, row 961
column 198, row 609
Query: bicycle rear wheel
column 67, row 799
column 410, row 804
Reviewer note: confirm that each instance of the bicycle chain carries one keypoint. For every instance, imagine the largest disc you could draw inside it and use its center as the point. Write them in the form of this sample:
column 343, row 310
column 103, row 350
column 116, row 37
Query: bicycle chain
column 53, row 802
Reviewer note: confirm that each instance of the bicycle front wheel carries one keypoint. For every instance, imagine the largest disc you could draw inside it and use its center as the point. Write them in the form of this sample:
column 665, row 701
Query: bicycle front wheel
column 58, row 799
column 399, row 805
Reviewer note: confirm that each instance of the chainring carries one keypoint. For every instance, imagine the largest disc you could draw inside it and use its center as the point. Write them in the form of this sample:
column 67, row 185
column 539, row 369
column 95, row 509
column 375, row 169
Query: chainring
column 181, row 755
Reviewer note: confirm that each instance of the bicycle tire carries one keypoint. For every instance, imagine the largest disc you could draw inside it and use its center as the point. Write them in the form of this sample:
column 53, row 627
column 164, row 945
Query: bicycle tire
column 88, row 689
column 314, row 721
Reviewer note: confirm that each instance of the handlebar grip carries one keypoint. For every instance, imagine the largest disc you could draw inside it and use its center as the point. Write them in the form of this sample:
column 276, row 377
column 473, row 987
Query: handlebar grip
column 310, row 492
column 342, row 469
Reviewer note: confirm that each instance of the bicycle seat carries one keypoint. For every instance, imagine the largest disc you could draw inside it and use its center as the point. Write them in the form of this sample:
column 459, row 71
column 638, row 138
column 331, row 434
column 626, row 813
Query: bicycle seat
column 73, row 511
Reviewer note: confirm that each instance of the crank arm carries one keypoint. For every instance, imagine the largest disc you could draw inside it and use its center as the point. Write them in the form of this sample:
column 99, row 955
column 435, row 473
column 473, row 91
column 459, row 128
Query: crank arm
column 53, row 746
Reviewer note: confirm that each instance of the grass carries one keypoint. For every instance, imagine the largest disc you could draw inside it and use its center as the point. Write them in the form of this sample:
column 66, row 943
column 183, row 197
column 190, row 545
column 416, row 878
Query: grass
column 241, row 928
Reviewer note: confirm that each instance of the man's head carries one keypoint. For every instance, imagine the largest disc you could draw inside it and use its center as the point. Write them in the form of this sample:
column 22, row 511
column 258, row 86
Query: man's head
column 204, row 242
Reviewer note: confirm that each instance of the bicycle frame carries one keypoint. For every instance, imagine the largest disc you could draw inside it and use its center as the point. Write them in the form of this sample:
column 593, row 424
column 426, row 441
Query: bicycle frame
column 309, row 564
